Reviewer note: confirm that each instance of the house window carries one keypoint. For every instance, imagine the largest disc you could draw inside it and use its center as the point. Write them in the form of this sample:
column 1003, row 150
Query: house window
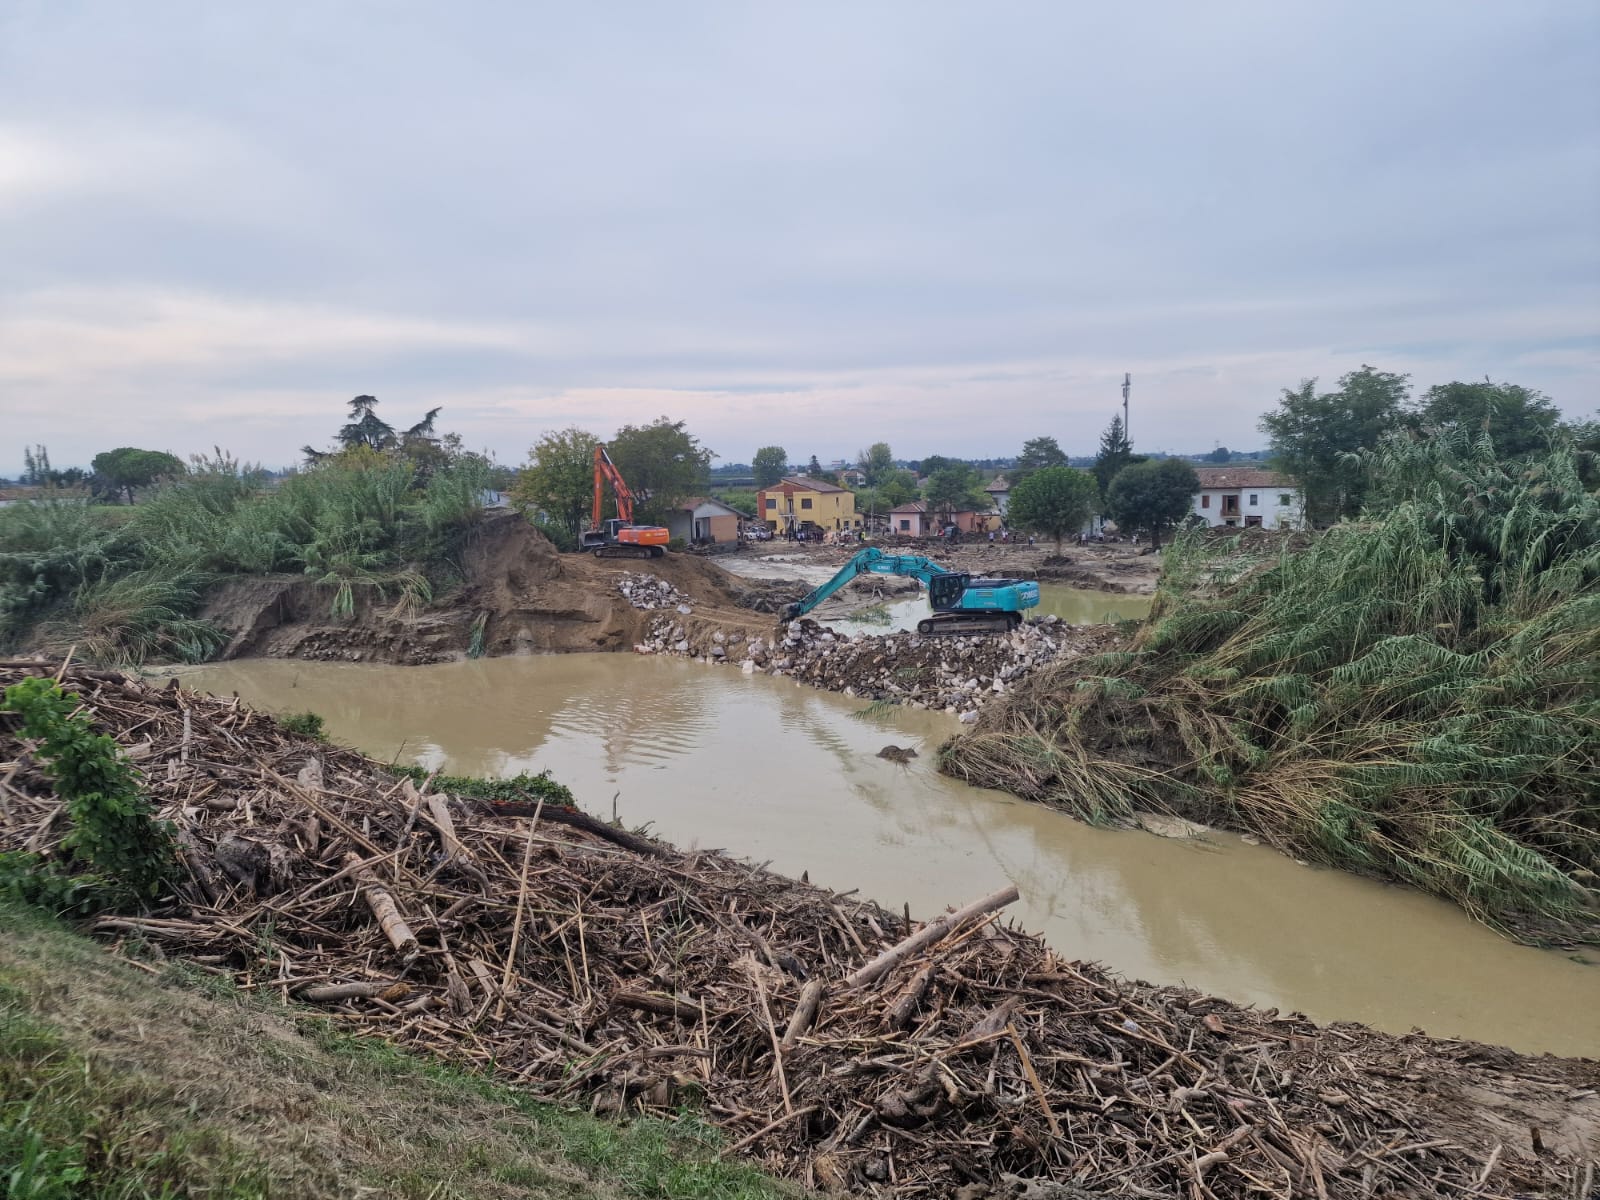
column 1252, row 522
column 1230, row 506
column 905, row 524
column 805, row 503
column 1205, row 501
column 1254, row 499
column 772, row 502
column 1283, row 499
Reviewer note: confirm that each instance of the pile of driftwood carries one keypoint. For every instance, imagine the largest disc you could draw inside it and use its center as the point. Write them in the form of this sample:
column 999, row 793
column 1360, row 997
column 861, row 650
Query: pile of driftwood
column 831, row 1039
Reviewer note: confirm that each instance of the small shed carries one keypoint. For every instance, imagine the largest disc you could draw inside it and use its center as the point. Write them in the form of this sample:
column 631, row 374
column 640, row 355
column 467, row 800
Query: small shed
column 703, row 519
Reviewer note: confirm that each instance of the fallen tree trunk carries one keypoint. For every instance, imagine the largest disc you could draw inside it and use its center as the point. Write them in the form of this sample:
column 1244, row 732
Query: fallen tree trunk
column 562, row 814
column 930, row 933
column 384, row 908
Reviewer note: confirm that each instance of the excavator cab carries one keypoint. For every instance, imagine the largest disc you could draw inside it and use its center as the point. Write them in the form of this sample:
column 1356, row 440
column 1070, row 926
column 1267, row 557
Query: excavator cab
column 944, row 591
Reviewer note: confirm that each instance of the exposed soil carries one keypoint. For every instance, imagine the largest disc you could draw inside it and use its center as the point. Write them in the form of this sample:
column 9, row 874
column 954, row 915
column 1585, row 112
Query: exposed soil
column 965, row 1061
column 527, row 598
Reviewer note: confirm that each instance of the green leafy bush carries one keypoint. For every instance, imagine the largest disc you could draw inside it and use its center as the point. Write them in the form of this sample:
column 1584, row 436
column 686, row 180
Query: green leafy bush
column 529, row 788
column 114, row 831
column 306, row 724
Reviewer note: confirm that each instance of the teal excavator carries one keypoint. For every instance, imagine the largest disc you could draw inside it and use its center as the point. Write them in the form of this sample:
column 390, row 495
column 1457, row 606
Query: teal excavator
column 961, row 602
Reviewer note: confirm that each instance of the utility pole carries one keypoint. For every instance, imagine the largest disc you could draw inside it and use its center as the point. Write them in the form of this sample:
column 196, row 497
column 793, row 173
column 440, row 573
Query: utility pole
column 1127, row 386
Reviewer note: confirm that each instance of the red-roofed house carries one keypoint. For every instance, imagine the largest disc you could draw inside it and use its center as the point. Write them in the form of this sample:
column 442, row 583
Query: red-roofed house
column 1247, row 496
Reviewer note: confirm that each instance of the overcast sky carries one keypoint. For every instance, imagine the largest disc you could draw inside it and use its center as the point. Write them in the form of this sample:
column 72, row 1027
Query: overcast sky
column 948, row 226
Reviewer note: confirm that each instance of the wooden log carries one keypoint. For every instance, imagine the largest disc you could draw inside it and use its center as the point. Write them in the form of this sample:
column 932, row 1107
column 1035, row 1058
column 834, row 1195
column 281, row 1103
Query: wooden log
column 805, row 1014
column 440, row 812
column 562, row 814
column 930, row 933
column 389, row 990
column 194, row 858
column 666, row 1006
column 384, row 908
column 898, row 1015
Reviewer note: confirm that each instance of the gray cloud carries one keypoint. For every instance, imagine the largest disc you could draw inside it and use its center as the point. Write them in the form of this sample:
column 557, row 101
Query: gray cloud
column 946, row 226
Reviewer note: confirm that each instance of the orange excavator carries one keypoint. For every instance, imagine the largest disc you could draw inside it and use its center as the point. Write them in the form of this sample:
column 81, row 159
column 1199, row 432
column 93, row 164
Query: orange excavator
column 619, row 537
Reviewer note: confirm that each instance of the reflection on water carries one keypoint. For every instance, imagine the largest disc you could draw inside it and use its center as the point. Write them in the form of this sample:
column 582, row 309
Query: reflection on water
column 1076, row 606
column 774, row 771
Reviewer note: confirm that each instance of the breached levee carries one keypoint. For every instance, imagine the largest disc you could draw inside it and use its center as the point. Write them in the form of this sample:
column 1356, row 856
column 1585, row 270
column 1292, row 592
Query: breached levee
column 827, row 1039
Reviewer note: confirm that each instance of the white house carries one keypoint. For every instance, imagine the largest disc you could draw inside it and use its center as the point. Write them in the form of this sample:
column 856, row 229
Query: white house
column 1246, row 496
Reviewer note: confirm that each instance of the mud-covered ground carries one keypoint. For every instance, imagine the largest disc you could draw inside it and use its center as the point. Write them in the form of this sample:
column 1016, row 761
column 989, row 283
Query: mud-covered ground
column 1110, row 568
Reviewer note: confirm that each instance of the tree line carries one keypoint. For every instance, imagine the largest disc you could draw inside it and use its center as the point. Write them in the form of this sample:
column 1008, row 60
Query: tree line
column 1319, row 437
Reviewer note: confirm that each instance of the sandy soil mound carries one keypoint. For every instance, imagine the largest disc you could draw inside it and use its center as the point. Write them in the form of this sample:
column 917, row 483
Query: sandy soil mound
column 520, row 597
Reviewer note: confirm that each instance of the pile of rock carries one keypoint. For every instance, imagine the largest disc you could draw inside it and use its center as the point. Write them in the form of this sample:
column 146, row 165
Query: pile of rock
column 651, row 592
column 957, row 675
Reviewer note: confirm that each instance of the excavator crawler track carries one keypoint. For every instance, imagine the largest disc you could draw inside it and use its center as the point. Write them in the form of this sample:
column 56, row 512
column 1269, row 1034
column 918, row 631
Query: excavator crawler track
column 622, row 550
column 961, row 624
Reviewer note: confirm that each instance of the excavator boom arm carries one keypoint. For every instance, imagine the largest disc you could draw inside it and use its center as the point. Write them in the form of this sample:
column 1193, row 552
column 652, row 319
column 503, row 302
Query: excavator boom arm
column 869, row 561
column 605, row 471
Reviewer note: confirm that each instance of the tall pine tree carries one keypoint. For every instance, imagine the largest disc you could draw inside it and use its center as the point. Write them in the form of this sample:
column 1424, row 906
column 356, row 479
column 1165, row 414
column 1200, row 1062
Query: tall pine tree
column 1116, row 452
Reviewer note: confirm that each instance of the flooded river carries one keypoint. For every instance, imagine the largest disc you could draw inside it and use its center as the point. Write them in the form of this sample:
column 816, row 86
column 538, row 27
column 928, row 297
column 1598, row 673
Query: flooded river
column 773, row 771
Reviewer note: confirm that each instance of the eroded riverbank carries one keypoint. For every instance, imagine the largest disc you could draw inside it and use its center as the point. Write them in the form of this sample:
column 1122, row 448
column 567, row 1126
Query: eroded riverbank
column 788, row 774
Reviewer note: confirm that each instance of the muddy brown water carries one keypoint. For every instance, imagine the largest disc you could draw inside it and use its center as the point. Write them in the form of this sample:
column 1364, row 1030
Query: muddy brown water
column 773, row 771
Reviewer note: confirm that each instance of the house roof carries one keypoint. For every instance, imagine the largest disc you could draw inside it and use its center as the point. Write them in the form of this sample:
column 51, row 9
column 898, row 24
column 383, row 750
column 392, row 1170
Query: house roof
column 805, row 483
column 921, row 506
column 1237, row 477
column 1002, row 484
column 694, row 502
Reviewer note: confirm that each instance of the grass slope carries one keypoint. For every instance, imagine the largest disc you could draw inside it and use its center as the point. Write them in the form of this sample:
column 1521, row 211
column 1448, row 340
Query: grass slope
column 117, row 1084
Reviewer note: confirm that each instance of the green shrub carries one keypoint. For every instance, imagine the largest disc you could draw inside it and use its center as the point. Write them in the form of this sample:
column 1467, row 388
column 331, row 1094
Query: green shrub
column 306, row 724
column 525, row 787
column 113, row 827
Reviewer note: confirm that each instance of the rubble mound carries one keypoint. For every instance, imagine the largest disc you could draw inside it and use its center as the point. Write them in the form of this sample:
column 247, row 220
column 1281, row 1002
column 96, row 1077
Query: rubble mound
column 651, row 592
column 828, row 1040
column 955, row 674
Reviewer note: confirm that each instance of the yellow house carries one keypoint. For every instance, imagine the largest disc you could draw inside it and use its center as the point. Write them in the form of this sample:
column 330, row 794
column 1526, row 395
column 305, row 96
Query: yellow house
column 796, row 501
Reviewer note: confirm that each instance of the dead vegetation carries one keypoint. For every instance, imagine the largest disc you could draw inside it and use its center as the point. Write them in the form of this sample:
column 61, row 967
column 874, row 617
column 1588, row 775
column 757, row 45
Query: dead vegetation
column 828, row 1039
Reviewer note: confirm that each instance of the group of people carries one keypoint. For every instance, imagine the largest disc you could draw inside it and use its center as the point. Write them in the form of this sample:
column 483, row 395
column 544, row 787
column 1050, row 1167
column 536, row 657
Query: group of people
column 828, row 537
